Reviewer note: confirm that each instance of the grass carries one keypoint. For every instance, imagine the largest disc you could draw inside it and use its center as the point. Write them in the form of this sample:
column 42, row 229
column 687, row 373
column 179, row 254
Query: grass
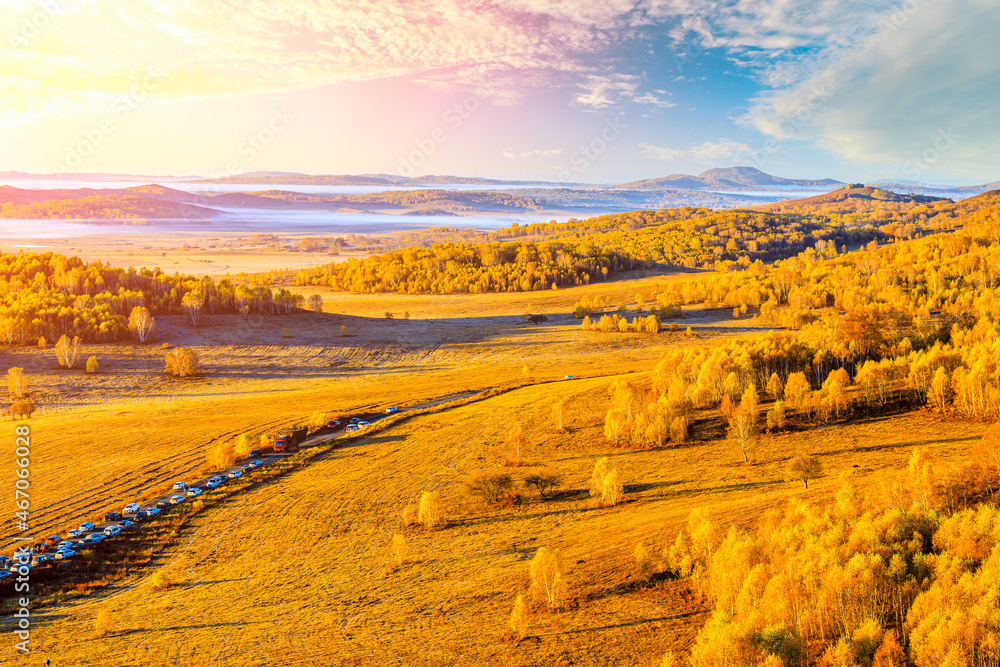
column 293, row 571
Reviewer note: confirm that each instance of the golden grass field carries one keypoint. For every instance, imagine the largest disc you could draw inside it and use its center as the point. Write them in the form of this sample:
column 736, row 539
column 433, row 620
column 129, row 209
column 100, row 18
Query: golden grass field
column 293, row 571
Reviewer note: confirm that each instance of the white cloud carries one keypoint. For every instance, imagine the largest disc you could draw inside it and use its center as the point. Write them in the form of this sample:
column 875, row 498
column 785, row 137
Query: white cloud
column 511, row 154
column 924, row 73
column 708, row 152
column 605, row 90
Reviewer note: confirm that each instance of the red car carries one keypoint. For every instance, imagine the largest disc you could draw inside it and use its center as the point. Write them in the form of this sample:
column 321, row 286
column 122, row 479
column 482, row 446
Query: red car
column 54, row 540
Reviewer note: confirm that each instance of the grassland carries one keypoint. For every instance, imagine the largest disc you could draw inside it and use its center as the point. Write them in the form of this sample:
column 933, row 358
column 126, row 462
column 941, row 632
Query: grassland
column 293, row 571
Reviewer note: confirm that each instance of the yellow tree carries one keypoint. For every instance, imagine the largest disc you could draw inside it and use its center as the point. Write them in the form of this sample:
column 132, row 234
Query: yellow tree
column 743, row 430
column 141, row 323
column 796, row 390
column 67, row 351
column 547, row 579
column 17, row 383
column 774, row 386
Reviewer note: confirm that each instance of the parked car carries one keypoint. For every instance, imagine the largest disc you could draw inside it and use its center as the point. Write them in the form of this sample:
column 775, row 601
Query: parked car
column 194, row 491
column 330, row 425
column 254, row 452
column 212, row 483
column 65, row 554
column 125, row 524
column 351, row 428
column 177, row 500
column 257, row 464
column 43, row 560
column 354, row 420
column 40, row 548
column 180, row 486
column 569, row 377
column 75, row 532
column 163, row 504
column 93, row 538
column 233, row 474
column 113, row 516
column 131, row 508
column 112, row 531
column 5, row 562
column 65, row 545
column 364, row 424
column 140, row 516
column 86, row 526
column 53, row 540
column 152, row 511
column 392, row 408
column 4, row 575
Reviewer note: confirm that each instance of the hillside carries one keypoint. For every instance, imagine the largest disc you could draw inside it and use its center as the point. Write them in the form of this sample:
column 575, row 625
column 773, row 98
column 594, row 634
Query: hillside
column 728, row 178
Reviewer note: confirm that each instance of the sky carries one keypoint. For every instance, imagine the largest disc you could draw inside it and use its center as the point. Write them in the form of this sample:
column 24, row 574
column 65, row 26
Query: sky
column 591, row 91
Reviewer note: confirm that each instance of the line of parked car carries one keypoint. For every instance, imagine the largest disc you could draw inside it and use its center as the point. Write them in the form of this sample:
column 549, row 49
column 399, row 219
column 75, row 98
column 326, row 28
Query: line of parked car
column 57, row 548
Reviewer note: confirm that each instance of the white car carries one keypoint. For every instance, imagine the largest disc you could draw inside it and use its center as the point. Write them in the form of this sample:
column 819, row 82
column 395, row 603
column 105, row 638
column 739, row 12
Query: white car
column 112, row 531
column 233, row 474
column 131, row 508
column 351, row 428
column 180, row 486
column 86, row 527
column 152, row 511
column 363, row 424
column 64, row 554
column 392, row 408
column 212, row 483
column 177, row 500
column 76, row 532
column 194, row 491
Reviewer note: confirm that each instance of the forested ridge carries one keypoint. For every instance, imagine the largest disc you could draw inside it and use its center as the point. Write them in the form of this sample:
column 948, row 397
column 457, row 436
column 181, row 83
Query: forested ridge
column 553, row 255
column 50, row 295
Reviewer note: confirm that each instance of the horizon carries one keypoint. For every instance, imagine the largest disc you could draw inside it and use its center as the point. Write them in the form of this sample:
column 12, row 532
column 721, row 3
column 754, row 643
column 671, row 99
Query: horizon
column 573, row 92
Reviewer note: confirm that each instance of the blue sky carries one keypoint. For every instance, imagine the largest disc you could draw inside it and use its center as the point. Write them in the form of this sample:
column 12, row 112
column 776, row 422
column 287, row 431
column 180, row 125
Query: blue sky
column 573, row 90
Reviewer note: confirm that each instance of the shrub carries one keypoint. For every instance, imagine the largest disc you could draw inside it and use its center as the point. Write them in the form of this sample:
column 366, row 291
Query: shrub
column 597, row 477
column 612, row 490
column 559, row 415
column 544, row 480
column 103, row 623
column 221, row 455
column 343, row 329
column 42, row 343
column 429, row 512
column 244, row 443
column 17, row 383
column 516, row 441
column 776, row 416
column 181, row 362
column 489, row 485
column 92, row 365
column 804, row 467
column 644, row 563
column 547, row 580
column 160, row 581
column 409, row 516
column 519, row 617
column 23, row 409
column 397, row 549
column 318, row 419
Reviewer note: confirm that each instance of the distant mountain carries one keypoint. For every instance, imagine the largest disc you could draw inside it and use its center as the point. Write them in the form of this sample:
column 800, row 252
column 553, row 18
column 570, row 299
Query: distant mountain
column 729, row 178
column 387, row 180
column 853, row 194
column 84, row 176
column 150, row 201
